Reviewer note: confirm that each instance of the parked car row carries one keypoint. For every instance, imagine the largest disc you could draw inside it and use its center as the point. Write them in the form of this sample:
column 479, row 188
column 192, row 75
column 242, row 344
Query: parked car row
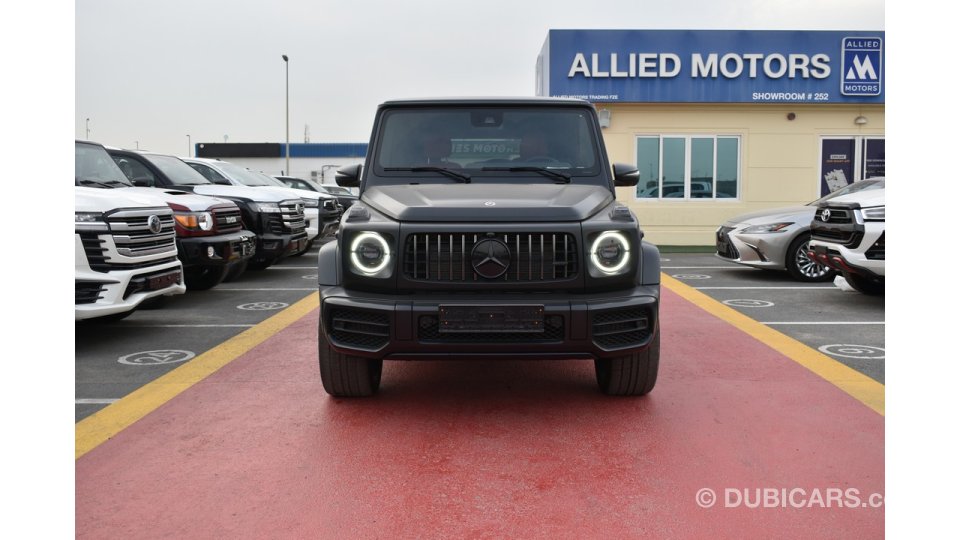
column 150, row 225
column 839, row 234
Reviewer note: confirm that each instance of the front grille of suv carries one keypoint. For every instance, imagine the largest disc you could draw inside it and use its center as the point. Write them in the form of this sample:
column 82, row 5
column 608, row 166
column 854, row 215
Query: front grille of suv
column 133, row 239
column 290, row 220
column 534, row 257
column 840, row 227
column 227, row 220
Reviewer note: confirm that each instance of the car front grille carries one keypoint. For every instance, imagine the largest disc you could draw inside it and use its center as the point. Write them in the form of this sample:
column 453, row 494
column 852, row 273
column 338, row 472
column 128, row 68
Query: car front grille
column 227, row 220
column 837, row 225
column 130, row 230
column 725, row 247
column 291, row 214
column 533, row 257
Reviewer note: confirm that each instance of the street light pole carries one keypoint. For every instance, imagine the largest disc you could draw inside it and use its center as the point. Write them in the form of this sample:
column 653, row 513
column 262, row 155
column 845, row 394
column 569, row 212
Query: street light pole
column 189, row 146
column 286, row 63
column 88, row 129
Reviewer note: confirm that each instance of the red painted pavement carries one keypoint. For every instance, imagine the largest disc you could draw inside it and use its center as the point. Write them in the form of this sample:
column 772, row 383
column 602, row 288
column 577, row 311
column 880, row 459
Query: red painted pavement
column 505, row 449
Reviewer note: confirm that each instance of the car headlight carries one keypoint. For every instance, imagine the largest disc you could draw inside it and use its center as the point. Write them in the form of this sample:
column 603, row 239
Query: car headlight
column 877, row 213
column 768, row 228
column 610, row 253
column 88, row 217
column 269, row 208
column 369, row 253
column 195, row 221
column 311, row 203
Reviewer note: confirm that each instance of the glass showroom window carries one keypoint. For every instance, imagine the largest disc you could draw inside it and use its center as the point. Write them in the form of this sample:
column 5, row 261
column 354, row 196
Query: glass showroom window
column 688, row 167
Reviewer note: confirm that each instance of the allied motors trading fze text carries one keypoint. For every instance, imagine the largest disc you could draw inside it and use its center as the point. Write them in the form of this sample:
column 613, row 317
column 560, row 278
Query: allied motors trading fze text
column 488, row 228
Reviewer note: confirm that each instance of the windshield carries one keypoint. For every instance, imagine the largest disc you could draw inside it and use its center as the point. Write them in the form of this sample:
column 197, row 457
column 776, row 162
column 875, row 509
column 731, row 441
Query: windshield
column 245, row 176
column 93, row 166
column 862, row 185
column 177, row 171
column 486, row 144
column 336, row 190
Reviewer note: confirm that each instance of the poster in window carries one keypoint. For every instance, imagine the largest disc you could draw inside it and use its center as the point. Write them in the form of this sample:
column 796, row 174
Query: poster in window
column 874, row 158
column 836, row 164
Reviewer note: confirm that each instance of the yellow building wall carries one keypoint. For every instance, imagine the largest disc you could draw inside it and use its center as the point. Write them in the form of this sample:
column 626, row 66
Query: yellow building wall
column 780, row 158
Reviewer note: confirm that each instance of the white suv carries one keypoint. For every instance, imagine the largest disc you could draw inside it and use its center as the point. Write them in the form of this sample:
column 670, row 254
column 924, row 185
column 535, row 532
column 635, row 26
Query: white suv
column 848, row 235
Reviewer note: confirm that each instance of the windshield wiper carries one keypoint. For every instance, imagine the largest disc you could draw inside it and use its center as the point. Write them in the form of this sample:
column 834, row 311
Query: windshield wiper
column 85, row 181
column 561, row 176
column 463, row 177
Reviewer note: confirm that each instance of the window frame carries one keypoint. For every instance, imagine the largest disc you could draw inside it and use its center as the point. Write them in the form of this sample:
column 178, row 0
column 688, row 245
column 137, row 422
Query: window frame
column 688, row 165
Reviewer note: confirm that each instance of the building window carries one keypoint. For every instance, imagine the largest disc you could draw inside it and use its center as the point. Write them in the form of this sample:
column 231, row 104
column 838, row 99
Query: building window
column 688, row 167
column 844, row 160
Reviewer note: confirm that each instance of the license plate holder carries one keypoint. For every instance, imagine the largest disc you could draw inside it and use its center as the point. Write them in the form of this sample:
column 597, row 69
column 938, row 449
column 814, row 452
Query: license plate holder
column 526, row 319
column 163, row 281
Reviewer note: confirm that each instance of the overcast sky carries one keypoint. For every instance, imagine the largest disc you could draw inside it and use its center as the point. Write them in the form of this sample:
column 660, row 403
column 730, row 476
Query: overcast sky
column 149, row 73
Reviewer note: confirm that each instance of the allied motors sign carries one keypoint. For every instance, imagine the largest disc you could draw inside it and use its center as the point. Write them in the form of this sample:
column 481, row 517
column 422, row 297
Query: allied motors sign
column 712, row 66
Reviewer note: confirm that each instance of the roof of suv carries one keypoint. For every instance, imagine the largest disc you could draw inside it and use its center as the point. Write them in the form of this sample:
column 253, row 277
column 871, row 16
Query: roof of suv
column 529, row 100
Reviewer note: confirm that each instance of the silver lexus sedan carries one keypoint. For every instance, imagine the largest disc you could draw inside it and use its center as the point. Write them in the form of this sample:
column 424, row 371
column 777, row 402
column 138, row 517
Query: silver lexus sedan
column 777, row 238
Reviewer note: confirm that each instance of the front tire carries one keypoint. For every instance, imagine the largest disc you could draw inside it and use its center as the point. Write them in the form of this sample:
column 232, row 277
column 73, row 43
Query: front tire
column 344, row 375
column 866, row 285
column 201, row 278
column 801, row 267
column 632, row 375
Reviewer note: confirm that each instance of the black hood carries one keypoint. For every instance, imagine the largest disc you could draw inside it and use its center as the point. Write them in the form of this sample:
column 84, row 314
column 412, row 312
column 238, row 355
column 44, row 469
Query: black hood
column 488, row 202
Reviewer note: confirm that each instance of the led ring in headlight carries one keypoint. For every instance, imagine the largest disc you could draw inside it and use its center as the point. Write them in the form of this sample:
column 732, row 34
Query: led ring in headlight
column 369, row 253
column 610, row 252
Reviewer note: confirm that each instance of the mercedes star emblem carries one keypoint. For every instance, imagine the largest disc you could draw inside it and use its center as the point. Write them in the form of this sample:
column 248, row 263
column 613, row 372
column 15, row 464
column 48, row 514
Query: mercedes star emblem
column 491, row 258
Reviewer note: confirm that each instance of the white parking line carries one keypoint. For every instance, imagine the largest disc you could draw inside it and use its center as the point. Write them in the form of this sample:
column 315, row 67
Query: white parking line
column 265, row 289
column 758, row 288
column 94, row 401
column 824, row 323
column 704, row 268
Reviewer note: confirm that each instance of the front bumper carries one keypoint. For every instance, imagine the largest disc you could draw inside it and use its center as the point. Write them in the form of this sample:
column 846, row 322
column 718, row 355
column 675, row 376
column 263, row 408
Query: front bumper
column 865, row 259
column 227, row 248
column 273, row 247
column 764, row 250
column 99, row 294
column 406, row 327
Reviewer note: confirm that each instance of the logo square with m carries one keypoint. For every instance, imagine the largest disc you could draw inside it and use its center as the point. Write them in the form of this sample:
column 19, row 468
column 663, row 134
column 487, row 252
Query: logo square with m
column 861, row 66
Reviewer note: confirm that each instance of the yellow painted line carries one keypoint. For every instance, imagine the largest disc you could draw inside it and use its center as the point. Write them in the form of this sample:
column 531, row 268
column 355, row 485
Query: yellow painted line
column 862, row 388
column 97, row 428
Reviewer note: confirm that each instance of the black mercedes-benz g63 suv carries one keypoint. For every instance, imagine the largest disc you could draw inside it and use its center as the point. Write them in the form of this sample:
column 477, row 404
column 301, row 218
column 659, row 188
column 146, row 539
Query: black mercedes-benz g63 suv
column 488, row 228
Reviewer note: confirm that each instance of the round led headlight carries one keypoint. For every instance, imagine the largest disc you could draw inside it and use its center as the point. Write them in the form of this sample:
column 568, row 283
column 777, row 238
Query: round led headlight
column 369, row 253
column 205, row 221
column 610, row 252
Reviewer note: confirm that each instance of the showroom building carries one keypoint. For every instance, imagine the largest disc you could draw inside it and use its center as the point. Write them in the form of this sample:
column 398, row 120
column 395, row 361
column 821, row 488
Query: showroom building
column 720, row 123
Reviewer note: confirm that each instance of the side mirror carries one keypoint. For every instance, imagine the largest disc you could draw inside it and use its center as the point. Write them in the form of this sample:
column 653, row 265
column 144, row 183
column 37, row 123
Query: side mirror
column 349, row 176
column 143, row 181
column 625, row 175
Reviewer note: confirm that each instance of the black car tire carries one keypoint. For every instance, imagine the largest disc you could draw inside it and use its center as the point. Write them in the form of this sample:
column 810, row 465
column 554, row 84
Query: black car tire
column 305, row 249
column 201, row 278
column 348, row 376
column 259, row 265
column 632, row 375
column 234, row 271
column 864, row 284
column 798, row 262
